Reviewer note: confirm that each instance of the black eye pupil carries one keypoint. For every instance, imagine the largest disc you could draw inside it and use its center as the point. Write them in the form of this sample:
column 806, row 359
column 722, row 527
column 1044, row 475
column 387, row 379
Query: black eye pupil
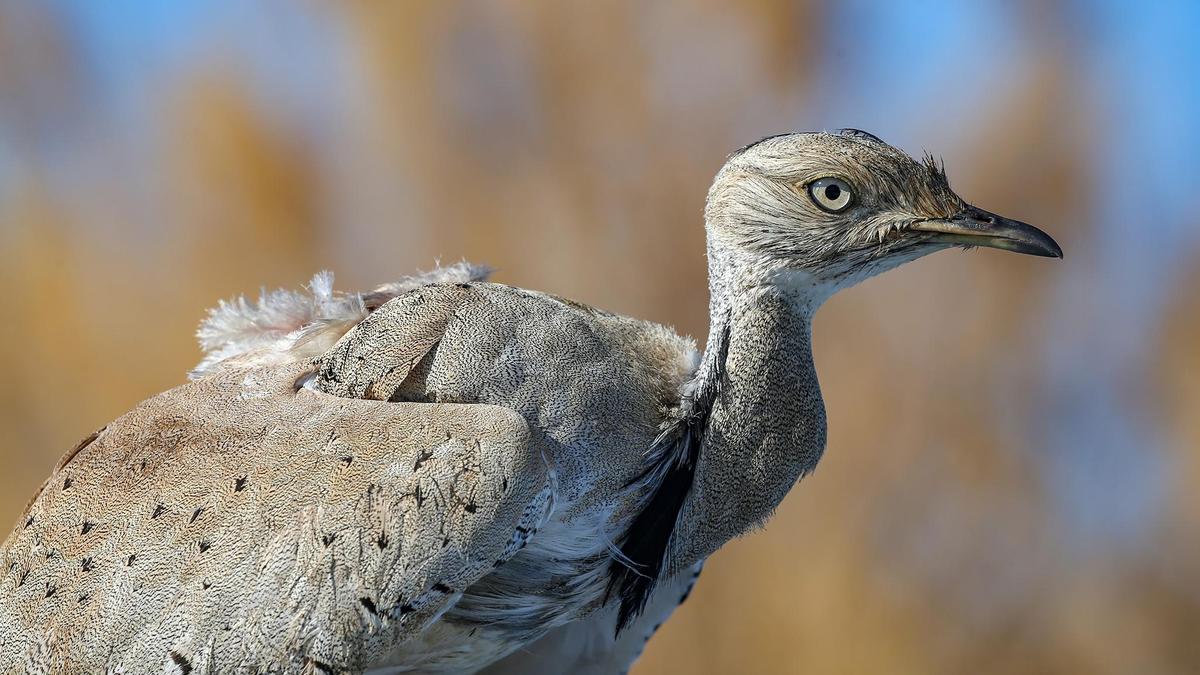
column 832, row 192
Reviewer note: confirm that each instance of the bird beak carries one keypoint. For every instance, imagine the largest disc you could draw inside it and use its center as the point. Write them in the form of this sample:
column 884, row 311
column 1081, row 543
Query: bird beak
column 976, row 227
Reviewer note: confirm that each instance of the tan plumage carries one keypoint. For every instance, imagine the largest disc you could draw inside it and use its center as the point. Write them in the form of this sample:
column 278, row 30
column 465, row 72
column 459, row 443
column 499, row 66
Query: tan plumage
column 359, row 520
column 449, row 475
column 230, row 520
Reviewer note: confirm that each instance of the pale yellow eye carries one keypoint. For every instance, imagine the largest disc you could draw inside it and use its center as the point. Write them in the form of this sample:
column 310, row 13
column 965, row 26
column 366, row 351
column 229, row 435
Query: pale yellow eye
column 831, row 194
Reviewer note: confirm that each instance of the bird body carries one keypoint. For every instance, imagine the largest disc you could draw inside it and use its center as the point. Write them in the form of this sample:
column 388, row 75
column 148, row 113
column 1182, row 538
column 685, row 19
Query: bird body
column 242, row 475
column 450, row 475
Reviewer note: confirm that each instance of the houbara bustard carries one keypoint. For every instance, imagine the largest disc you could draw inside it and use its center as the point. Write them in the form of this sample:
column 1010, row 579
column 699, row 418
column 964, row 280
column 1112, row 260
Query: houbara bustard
column 447, row 475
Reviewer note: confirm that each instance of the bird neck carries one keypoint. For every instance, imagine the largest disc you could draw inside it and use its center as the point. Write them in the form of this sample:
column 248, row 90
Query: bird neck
column 765, row 419
column 749, row 425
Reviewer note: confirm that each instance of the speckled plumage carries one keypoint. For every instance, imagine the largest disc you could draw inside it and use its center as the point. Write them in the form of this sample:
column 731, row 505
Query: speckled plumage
column 449, row 475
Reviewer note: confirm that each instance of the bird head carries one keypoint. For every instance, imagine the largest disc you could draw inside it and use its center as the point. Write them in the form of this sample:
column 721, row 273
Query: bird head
column 832, row 209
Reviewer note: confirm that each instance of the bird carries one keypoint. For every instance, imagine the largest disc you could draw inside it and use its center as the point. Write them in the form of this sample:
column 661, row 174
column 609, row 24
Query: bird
column 449, row 475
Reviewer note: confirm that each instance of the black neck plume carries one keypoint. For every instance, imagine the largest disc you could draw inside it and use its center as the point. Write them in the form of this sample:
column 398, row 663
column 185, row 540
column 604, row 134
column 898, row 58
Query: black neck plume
column 668, row 476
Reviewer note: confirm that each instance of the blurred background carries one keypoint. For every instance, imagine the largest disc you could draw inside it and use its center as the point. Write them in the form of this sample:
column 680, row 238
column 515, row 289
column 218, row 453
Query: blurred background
column 1011, row 479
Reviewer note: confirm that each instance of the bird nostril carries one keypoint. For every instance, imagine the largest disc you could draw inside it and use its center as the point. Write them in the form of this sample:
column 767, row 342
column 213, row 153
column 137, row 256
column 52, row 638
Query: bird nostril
column 974, row 216
column 979, row 216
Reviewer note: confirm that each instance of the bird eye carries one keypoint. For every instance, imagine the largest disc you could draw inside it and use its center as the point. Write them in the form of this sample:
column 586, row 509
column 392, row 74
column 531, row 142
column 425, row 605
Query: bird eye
column 831, row 194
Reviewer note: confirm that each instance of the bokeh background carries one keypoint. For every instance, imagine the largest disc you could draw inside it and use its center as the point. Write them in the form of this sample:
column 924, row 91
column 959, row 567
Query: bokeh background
column 1011, row 484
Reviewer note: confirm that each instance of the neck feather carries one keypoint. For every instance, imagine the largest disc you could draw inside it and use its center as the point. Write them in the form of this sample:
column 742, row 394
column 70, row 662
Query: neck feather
column 750, row 424
column 766, row 424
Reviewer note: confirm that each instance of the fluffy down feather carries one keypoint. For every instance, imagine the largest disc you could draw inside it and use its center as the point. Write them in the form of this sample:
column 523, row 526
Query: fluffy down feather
column 286, row 326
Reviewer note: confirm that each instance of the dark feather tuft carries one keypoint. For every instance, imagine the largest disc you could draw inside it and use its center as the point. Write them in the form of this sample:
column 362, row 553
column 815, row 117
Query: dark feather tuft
column 669, row 473
column 644, row 546
column 936, row 168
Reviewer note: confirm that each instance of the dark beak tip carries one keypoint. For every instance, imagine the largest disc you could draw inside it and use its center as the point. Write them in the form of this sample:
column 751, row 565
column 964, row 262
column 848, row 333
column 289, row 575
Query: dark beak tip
column 976, row 227
column 1028, row 239
column 1047, row 247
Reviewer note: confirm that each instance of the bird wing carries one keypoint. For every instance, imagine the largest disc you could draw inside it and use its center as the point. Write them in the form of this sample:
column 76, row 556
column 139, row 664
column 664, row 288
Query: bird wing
column 299, row 531
column 373, row 360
